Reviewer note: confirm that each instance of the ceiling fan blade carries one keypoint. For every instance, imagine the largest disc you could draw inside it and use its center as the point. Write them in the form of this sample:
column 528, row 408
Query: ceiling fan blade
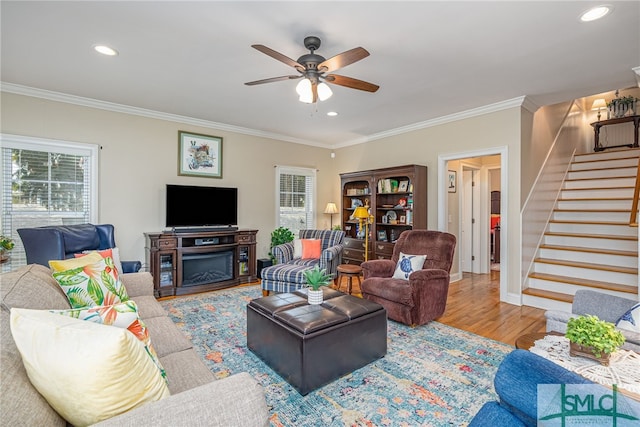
column 351, row 83
column 343, row 59
column 272, row 79
column 277, row 55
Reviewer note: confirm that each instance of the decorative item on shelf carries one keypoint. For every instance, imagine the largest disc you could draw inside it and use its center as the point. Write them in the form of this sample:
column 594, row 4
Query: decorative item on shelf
column 364, row 218
column 355, row 203
column 394, row 185
column 393, row 237
column 403, row 186
column 403, row 219
column 6, row 245
column 622, row 106
column 382, row 235
column 392, row 217
column 331, row 209
column 315, row 279
column 599, row 104
column 402, row 203
column 593, row 338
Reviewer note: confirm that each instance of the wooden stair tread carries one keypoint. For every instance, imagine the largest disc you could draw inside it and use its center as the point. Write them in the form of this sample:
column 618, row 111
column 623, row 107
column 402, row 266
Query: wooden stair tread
column 593, row 199
column 592, row 236
column 557, row 296
column 569, row 221
column 626, row 187
column 589, row 265
column 597, row 284
column 602, row 211
column 599, row 178
column 590, row 250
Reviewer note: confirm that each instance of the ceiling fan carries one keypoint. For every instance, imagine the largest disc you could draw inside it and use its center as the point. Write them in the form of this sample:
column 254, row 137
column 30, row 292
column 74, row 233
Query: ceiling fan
column 313, row 69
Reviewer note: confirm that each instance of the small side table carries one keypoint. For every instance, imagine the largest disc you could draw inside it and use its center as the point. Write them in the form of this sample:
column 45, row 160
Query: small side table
column 350, row 271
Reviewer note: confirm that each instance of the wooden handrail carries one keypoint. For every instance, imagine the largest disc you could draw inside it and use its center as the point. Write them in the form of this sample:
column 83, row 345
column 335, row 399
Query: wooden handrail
column 633, row 218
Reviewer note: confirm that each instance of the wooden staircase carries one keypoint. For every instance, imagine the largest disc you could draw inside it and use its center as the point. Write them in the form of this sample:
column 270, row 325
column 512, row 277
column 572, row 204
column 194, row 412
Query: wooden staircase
column 589, row 242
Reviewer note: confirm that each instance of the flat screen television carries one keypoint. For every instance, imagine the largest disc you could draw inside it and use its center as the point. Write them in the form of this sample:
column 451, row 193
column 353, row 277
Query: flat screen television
column 190, row 206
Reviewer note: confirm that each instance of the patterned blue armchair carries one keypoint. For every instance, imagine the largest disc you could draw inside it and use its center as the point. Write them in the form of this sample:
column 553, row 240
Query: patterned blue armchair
column 287, row 275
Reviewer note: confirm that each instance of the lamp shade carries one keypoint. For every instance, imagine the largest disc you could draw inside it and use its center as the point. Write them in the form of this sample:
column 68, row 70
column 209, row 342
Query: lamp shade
column 361, row 212
column 324, row 92
column 331, row 208
column 598, row 103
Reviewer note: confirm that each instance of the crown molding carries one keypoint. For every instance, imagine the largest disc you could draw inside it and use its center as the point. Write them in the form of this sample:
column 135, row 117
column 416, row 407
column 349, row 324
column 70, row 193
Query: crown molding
column 126, row 109
column 522, row 101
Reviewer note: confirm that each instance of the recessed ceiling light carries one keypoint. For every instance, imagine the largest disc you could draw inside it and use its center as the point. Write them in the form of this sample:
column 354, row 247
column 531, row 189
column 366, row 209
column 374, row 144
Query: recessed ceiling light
column 332, row 114
column 105, row 50
column 596, row 13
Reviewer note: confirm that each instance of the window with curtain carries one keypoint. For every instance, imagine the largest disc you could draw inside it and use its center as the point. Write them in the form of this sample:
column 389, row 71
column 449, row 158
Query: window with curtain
column 45, row 182
column 295, row 200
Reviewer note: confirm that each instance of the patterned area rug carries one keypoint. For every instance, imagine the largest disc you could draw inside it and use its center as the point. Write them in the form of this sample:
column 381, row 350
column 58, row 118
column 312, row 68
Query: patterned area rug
column 432, row 375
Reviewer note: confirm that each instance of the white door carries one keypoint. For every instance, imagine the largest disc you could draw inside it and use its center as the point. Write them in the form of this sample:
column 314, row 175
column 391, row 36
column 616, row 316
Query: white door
column 470, row 231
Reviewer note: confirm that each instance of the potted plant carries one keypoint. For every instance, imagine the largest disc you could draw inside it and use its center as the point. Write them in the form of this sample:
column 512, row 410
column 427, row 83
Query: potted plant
column 593, row 338
column 316, row 278
column 6, row 244
column 279, row 236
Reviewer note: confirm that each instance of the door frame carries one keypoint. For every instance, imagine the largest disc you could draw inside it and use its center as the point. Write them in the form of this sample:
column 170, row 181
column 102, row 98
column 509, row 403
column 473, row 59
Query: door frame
column 443, row 208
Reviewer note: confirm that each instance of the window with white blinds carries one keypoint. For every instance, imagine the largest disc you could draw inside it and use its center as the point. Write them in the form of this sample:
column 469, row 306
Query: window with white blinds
column 295, row 200
column 45, row 182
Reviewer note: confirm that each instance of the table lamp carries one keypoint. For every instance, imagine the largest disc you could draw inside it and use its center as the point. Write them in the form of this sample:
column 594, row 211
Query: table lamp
column 362, row 214
column 599, row 104
column 331, row 209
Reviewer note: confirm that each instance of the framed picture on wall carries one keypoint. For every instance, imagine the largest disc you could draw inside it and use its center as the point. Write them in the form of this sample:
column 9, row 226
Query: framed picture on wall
column 451, row 181
column 199, row 155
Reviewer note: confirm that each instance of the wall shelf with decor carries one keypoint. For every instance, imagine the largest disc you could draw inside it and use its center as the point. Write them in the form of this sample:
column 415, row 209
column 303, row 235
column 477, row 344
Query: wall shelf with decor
column 398, row 202
column 356, row 191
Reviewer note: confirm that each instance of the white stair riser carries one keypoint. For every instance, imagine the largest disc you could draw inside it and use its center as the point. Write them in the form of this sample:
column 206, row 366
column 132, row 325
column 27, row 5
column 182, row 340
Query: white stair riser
column 587, row 273
column 604, row 193
column 608, row 154
column 613, row 230
column 613, row 163
column 594, row 258
column 591, row 216
column 600, row 183
column 624, row 204
column 545, row 304
column 570, row 289
column 603, row 173
column 590, row 242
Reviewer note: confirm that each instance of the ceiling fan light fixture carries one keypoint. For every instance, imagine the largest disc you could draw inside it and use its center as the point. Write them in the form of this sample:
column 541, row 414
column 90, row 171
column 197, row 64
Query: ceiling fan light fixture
column 304, row 87
column 324, row 91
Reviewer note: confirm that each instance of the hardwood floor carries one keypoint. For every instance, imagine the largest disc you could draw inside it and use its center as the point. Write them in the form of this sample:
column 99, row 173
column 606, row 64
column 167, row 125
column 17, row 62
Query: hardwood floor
column 474, row 305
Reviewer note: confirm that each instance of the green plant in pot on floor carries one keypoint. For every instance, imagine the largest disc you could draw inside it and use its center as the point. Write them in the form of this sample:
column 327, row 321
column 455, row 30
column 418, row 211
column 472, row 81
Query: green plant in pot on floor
column 279, row 236
column 315, row 279
column 593, row 338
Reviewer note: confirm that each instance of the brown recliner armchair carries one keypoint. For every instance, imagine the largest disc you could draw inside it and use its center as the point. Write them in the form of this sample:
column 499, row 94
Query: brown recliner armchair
column 423, row 296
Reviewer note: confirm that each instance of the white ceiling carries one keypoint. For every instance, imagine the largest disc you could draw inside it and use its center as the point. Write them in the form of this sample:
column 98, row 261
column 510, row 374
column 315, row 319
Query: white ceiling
column 431, row 59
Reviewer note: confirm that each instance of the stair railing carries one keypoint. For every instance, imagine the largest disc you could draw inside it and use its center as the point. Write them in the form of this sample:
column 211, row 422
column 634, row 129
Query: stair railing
column 633, row 218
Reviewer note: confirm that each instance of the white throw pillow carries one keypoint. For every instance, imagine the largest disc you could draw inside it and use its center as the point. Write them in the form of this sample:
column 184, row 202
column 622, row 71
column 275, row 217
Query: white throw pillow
column 88, row 372
column 297, row 248
column 407, row 264
column 630, row 321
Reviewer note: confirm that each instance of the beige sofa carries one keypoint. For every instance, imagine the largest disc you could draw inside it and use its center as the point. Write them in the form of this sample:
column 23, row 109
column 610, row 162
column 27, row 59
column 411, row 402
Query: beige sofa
column 197, row 398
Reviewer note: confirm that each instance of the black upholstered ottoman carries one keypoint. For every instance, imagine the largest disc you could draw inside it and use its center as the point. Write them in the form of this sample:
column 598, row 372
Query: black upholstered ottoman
column 311, row 345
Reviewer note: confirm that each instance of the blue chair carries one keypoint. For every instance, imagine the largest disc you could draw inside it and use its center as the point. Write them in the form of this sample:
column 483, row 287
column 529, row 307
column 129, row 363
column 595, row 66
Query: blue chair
column 42, row 244
column 287, row 275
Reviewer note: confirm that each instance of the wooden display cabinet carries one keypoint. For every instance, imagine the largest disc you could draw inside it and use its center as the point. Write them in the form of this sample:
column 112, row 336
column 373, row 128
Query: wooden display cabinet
column 189, row 262
column 397, row 197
